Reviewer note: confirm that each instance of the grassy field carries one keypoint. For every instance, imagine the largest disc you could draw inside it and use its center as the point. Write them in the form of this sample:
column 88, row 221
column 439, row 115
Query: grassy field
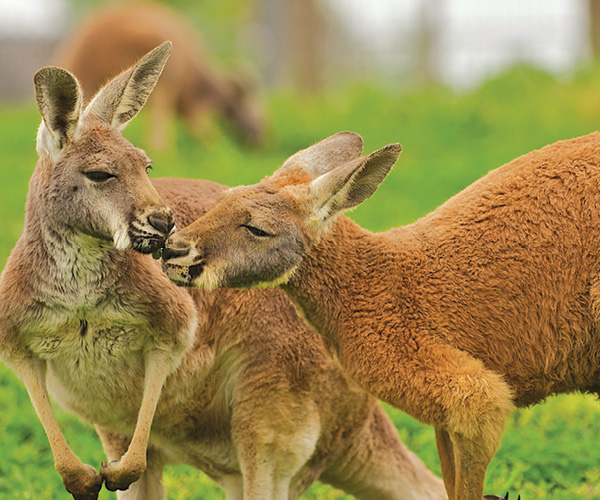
column 549, row 451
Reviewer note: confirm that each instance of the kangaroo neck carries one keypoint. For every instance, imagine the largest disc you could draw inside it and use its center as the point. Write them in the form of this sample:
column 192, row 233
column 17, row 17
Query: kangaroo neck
column 348, row 266
column 69, row 265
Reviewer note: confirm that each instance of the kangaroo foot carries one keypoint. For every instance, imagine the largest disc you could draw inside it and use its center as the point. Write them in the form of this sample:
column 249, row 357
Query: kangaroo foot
column 118, row 476
column 85, row 484
column 496, row 497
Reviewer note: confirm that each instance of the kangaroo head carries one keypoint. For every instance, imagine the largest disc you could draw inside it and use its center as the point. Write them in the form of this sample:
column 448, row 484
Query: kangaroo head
column 256, row 236
column 89, row 179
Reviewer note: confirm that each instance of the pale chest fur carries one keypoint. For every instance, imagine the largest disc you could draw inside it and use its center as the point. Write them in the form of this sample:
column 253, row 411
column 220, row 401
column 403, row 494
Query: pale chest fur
column 93, row 332
column 94, row 358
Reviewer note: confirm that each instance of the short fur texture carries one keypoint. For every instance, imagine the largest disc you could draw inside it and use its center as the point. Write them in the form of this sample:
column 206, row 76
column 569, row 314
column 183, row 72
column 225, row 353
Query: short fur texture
column 231, row 382
column 192, row 87
column 489, row 302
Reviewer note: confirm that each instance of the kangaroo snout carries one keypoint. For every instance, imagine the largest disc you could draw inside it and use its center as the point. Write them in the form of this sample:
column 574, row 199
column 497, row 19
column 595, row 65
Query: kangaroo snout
column 149, row 230
column 162, row 222
column 172, row 252
column 182, row 272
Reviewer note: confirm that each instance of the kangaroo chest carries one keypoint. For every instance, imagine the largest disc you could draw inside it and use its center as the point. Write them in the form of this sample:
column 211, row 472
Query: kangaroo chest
column 95, row 360
column 88, row 333
column 88, row 341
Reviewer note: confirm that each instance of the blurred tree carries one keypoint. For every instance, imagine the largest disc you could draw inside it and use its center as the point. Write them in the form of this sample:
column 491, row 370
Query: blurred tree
column 306, row 40
column 426, row 48
column 594, row 26
column 294, row 42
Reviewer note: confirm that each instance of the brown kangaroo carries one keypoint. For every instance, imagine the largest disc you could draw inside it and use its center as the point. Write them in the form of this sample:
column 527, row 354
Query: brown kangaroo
column 489, row 302
column 114, row 37
column 230, row 382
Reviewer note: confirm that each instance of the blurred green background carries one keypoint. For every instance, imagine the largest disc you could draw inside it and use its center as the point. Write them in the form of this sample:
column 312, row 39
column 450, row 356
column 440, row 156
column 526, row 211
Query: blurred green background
column 450, row 138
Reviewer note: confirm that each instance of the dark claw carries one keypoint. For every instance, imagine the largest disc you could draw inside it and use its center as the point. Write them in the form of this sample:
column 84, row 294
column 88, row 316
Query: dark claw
column 496, row 497
column 119, row 481
column 93, row 489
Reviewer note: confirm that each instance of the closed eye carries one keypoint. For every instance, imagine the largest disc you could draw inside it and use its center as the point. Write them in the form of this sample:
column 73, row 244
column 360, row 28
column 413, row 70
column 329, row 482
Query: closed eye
column 256, row 232
column 98, row 175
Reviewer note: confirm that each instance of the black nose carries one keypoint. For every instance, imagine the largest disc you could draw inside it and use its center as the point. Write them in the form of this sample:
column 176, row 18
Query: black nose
column 161, row 222
column 171, row 253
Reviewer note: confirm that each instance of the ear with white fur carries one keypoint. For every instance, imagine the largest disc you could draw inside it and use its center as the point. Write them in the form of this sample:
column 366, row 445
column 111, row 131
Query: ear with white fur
column 324, row 155
column 59, row 99
column 349, row 185
column 124, row 96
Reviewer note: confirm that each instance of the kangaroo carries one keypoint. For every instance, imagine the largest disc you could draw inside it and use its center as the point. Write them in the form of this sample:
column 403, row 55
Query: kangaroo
column 230, row 382
column 192, row 87
column 489, row 302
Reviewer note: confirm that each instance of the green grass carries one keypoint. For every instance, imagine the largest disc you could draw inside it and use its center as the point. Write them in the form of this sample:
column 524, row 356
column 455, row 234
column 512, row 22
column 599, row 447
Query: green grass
column 549, row 451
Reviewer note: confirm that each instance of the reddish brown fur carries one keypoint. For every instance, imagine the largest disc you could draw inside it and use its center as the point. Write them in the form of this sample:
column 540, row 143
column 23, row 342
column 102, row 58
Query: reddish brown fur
column 115, row 36
column 289, row 180
column 490, row 301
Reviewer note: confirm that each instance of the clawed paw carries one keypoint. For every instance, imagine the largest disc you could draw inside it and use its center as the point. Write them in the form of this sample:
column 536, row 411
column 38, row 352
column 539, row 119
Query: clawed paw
column 496, row 497
column 117, row 476
column 85, row 484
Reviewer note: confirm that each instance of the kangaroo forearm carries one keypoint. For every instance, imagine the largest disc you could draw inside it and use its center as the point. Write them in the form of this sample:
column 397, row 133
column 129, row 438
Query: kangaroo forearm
column 32, row 373
column 120, row 474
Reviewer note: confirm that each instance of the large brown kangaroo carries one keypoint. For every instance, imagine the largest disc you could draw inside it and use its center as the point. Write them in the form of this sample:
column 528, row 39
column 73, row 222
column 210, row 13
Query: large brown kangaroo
column 232, row 383
column 489, row 302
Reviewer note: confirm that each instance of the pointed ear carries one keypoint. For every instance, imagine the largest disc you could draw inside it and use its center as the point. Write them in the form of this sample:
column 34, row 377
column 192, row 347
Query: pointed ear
column 124, row 96
column 324, row 155
column 59, row 99
column 349, row 185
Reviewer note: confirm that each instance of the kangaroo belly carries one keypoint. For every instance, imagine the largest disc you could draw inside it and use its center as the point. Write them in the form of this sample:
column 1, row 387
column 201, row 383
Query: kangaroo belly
column 110, row 397
column 95, row 370
column 99, row 374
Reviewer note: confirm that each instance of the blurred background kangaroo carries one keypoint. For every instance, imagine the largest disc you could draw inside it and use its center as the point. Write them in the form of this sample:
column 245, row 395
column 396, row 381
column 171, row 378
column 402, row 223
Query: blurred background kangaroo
column 192, row 86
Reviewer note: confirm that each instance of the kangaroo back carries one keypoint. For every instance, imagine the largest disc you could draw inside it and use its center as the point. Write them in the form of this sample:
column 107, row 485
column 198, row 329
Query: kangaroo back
column 114, row 37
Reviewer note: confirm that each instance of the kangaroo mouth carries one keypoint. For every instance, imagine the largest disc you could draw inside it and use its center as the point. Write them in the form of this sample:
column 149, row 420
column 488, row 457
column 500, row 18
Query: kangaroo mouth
column 178, row 279
column 146, row 243
column 178, row 274
column 146, row 239
column 196, row 270
column 183, row 275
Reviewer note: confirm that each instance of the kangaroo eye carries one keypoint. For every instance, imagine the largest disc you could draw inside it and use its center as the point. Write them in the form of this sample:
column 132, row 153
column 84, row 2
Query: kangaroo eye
column 98, row 176
column 256, row 232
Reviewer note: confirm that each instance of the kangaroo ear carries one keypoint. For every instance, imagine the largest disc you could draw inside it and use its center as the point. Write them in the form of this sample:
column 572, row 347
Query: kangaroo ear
column 349, row 185
column 324, row 155
column 125, row 95
column 59, row 99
